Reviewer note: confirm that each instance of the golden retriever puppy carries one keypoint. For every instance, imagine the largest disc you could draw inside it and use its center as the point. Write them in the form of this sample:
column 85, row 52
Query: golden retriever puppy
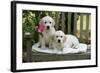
column 59, row 40
column 45, row 39
column 64, row 41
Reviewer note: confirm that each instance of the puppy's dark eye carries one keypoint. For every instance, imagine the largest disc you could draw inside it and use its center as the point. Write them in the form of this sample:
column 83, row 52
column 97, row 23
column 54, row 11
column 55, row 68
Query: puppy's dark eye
column 50, row 22
column 45, row 22
column 56, row 36
column 61, row 36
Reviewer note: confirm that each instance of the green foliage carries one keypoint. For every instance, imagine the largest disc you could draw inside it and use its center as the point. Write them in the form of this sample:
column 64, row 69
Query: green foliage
column 29, row 21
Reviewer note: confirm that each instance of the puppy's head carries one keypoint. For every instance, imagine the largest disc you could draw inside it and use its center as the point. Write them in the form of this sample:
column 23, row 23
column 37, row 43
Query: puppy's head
column 59, row 37
column 48, row 22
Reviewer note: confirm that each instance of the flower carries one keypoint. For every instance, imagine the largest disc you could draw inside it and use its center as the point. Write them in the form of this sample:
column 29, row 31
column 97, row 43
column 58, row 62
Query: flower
column 41, row 28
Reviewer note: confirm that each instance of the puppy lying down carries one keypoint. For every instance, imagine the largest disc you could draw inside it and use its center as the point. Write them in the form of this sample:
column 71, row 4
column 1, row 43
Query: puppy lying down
column 62, row 41
column 63, row 44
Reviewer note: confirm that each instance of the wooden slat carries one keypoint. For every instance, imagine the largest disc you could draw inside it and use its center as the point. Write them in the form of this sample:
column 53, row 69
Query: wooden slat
column 56, row 20
column 81, row 27
column 75, row 23
column 50, row 13
column 28, row 47
column 69, row 22
column 87, row 28
column 63, row 22
column 43, row 57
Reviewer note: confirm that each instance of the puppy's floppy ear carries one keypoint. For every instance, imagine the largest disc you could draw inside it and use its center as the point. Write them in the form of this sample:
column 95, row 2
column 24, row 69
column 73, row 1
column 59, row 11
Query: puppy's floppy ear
column 53, row 37
column 65, row 38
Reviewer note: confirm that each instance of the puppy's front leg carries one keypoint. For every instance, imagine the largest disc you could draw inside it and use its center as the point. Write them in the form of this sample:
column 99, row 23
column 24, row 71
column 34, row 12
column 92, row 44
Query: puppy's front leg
column 41, row 42
column 51, row 44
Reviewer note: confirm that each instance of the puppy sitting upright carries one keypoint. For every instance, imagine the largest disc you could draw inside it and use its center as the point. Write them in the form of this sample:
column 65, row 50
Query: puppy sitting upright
column 45, row 39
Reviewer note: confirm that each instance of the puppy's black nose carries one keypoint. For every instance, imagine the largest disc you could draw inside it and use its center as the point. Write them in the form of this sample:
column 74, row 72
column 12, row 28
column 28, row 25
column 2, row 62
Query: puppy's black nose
column 48, row 27
column 59, row 41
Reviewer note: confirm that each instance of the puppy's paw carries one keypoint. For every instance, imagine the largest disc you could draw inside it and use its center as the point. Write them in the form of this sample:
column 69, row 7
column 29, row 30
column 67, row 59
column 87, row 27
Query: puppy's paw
column 39, row 46
column 51, row 47
column 43, row 47
column 47, row 45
